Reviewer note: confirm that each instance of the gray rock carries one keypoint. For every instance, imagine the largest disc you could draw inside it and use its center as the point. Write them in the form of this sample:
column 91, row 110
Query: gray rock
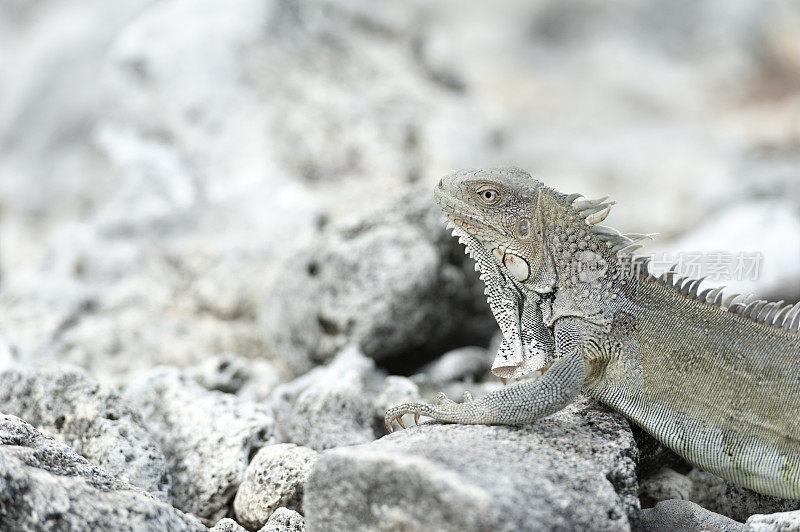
column 685, row 516
column 251, row 379
column 731, row 230
column 664, row 485
column 574, row 470
column 331, row 405
column 275, row 478
column 777, row 522
column 228, row 525
column 207, row 437
column 7, row 358
column 396, row 390
column 720, row 496
column 395, row 283
column 463, row 363
column 48, row 486
column 285, row 520
column 654, row 455
column 92, row 419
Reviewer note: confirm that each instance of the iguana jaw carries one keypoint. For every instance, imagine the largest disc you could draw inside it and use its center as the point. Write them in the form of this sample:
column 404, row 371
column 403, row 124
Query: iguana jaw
column 458, row 213
column 518, row 353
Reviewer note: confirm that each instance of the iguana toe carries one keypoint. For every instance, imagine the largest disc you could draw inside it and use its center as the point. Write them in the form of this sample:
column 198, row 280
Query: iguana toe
column 445, row 410
column 442, row 399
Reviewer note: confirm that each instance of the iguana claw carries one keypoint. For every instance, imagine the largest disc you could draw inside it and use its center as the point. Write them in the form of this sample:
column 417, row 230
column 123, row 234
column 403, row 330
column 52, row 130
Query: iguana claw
column 444, row 409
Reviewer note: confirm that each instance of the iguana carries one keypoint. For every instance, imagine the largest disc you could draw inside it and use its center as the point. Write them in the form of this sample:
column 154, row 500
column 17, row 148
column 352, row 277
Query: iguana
column 715, row 378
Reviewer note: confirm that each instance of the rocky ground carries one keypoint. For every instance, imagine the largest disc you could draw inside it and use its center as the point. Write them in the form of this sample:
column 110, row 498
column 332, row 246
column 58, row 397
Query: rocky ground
column 220, row 261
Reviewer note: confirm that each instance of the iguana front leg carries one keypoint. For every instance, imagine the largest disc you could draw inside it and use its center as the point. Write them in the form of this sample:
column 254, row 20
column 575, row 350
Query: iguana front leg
column 520, row 403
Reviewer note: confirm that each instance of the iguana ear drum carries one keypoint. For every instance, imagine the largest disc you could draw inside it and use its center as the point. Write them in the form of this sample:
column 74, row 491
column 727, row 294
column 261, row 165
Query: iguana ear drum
column 517, row 266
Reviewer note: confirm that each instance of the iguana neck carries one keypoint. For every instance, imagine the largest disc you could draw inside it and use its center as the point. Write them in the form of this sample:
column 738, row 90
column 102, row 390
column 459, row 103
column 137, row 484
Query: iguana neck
column 586, row 277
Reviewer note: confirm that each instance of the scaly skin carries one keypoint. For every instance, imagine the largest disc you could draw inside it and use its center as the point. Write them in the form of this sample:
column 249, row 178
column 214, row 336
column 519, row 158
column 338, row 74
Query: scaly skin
column 718, row 383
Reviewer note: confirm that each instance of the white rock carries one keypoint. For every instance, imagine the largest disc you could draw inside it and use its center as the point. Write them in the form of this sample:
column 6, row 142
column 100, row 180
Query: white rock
column 275, row 478
column 396, row 390
column 285, row 520
column 783, row 521
column 251, row 379
column 228, row 525
column 664, row 485
column 720, row 496
column 685, row 516
column 207, row 437
column 459, row 364
column 91, row 418
column 331, row 405
column 736, row 250
column 48, row 486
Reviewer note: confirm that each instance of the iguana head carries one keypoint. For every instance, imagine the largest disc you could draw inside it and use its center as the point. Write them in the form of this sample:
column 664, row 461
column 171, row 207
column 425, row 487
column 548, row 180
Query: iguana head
column 529, row 240
column 498, row 207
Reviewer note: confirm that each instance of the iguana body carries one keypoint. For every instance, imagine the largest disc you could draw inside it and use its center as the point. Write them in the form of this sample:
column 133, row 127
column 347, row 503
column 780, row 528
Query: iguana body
column 716, row 381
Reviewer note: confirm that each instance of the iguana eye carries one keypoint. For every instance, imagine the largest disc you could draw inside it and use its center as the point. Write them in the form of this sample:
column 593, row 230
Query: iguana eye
column 524, row 228
column 489, row 196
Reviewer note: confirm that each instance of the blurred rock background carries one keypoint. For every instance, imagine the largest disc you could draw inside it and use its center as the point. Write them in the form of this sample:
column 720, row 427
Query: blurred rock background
column 241, row 190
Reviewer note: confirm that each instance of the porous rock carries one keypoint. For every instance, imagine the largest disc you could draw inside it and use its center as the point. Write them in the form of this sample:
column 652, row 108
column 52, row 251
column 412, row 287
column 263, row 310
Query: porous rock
column 460, row 364
column 251, row 379
column 664, row 485
column 92, row 419
column 207, row 437
column 777, row 522
column 685, row 516
column 573, row 470
column 654, row 455
column 285, row 520
column 275, row 478
column 331, row 405
column 720, row 496
column 396, row 390
column 48, row 486
column 228, row 525
column 395, row 283
column 7, row 358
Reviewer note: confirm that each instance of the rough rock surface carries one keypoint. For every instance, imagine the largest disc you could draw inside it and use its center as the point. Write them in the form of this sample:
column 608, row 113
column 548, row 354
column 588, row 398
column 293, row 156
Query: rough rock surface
column 331, row 405
column 654, row 455
column 47, row 486
column 207, row 437
column 720, row 496
column 574, row 470
column 396, row 390
column 408, row 292
column 228, row 525
column 285, row 520
column 461, row 364
column 777, row 522
column 250, row 379
column 162, row 162
column 93, row 420
column 665, row 485
column 275, row 478
column 685, row 516
column 7, row 358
